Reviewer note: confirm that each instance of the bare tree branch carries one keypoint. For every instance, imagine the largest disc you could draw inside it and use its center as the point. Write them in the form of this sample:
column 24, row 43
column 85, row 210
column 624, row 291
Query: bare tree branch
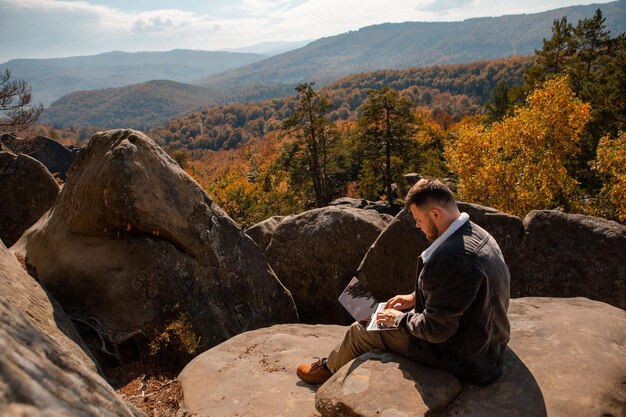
column 16, row 111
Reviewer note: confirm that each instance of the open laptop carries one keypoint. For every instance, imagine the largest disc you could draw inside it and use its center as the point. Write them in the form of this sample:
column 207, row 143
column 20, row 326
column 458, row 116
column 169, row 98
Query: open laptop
column 362, row 306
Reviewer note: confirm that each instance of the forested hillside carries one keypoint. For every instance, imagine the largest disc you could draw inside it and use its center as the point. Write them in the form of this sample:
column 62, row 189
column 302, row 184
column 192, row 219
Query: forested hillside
column 52, row 78
column 450, row 91
column 410, row 44
column 139, row 106
column 555, row 142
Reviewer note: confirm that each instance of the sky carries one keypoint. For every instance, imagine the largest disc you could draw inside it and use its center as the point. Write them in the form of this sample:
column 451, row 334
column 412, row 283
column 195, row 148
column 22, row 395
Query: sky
column 61, row 28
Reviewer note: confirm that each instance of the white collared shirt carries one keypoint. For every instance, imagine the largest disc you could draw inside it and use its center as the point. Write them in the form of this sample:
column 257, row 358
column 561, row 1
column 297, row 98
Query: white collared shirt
column 454, row 226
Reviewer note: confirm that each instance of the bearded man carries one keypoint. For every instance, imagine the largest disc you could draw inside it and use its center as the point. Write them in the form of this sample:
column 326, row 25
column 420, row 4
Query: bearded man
column 456, row 318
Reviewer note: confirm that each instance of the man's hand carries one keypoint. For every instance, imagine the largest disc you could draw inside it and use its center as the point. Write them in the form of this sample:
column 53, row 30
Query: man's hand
column 388, row 317
column 401, row 302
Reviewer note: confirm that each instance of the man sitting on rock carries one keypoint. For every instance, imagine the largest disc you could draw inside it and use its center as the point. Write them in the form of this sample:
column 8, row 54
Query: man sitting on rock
column 457, row 320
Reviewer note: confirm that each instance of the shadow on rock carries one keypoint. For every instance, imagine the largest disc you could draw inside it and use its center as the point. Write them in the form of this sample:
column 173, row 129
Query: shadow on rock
column 515, row 393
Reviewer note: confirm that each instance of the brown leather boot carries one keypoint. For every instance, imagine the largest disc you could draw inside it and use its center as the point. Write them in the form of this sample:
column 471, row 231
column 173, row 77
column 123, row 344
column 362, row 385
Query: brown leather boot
column 314, row 373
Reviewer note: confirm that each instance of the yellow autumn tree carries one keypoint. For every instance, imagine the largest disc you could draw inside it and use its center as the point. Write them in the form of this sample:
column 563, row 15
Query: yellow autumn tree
column 611, row 164
column 519, row 164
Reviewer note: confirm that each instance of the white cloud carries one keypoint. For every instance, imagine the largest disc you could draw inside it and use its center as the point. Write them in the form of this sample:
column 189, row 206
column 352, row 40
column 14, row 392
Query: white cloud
column 45, row 28
column 442, row 5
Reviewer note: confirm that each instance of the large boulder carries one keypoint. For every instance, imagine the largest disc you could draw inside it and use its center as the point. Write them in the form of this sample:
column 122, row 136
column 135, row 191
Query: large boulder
column 389, row 266
column 56, row 157
column 262, row 232
column 28, row 191
column 131, row 235
column 565, row 358
column 316, row 253
column 570, row 255
column 43, row 370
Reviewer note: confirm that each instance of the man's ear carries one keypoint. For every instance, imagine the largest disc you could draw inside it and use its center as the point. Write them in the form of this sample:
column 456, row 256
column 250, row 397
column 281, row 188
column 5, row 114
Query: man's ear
column 436, row 212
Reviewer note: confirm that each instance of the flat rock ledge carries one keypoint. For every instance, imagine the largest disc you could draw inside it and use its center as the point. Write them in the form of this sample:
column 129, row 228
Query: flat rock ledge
column 565, row 358
column 254, row 373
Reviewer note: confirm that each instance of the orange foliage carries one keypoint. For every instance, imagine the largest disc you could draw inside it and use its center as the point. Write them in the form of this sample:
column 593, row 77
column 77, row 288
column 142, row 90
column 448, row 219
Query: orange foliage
column 519, row 164
column 611, row 163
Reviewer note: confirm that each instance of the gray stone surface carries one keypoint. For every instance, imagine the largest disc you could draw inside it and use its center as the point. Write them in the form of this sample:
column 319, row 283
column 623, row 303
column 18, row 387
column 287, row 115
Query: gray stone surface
column 131, row 234
column 571, row 255
column 27, row 191
column 254, row 373
column 316, row 253
column 262, row 232
column 43, row 371
column 566, row 358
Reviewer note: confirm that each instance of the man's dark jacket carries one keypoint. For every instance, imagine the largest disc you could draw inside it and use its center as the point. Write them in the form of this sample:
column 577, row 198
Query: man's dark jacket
column 461, row 300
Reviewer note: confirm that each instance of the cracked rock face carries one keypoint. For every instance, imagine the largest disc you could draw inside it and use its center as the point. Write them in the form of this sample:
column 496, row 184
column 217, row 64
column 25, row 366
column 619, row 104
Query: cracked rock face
column 43, row 369
column 132, row 234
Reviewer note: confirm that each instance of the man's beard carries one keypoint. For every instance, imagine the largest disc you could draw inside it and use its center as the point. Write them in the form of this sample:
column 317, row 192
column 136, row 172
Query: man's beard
column 431, row 231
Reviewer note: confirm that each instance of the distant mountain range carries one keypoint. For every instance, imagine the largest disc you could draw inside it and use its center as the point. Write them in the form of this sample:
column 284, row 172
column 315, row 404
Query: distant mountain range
column 138, row 106
column 271, row 48
column 53, row 78
column 386, row 46
column 455, row 89
column 411, row 44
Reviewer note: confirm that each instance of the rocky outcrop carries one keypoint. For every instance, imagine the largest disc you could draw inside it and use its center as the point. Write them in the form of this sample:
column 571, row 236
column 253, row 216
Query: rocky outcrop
column 350, row 202
column 549, row 254
column 54, row 156
column 316, row 253
column 573, row 255
column 262, row 232
column 565, row 359
column 131, row 234
column 383, row 208
column 43, row 371
column 28, row 191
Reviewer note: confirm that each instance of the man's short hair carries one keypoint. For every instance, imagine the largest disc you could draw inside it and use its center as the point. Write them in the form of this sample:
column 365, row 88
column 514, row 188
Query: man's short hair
column 429, row 191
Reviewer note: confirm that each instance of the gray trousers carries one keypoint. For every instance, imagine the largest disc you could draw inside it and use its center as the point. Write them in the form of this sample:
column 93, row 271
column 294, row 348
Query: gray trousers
column 358, row 341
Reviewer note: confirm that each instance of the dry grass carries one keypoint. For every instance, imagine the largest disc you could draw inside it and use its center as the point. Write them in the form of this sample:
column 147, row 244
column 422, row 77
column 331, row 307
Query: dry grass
column 149, row 386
